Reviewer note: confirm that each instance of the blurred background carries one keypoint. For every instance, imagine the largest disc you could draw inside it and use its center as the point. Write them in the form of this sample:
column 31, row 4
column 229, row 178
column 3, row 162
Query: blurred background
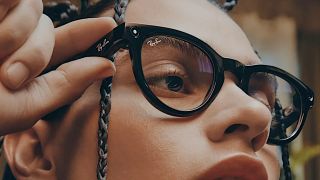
column 286, row 33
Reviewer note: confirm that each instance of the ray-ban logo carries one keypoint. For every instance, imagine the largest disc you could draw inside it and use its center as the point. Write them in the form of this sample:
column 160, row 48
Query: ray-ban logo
column 154, row 42
column 100, row 46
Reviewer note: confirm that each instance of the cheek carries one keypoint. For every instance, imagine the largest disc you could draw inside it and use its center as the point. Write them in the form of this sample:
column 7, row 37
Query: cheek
column 145, row 143
column 270, row 156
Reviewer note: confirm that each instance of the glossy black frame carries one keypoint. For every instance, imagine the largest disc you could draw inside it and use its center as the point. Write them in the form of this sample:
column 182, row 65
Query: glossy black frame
column 132, row 37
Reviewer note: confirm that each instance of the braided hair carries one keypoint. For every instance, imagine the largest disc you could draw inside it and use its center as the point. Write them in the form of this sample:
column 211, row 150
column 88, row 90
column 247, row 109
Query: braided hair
column 281, row 127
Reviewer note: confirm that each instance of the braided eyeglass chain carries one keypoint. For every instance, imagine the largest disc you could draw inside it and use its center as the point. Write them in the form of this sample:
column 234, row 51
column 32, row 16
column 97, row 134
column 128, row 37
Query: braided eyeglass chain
column 105, row 103
column 284, row 148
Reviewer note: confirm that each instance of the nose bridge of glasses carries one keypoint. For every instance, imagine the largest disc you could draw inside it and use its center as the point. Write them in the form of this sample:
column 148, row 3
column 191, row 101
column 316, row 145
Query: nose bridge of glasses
column 234, row 66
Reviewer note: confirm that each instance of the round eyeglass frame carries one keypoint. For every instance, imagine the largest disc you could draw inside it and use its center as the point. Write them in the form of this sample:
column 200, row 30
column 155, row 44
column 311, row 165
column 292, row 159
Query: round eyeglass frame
column 132, row 36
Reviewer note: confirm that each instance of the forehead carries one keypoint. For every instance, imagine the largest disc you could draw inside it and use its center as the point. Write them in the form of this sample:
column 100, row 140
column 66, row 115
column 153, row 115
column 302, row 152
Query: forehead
column 199, row 18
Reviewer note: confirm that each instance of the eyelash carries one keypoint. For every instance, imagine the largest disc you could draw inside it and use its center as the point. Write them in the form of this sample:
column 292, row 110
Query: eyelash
column 160, row 76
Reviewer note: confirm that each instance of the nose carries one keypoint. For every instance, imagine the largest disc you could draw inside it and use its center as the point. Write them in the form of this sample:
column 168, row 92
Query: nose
column 234, row 115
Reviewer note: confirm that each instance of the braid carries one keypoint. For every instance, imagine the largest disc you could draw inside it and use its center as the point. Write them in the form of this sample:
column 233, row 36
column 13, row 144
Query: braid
column 284, row 147
column 285, row 162
column 105, row 106
column 285, row 155
column 120, row 7
column 62, row 12
column 229, row 4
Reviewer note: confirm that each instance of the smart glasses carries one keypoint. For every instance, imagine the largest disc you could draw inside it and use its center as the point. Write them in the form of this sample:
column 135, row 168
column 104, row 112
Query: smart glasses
column 181, row 75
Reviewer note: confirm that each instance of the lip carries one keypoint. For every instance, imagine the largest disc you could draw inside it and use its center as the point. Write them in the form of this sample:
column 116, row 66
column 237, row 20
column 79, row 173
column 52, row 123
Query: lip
column 240, row 167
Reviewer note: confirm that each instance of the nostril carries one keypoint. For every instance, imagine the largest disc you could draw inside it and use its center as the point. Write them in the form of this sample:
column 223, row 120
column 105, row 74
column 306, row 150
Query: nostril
column 236, row 127
column 259, row 140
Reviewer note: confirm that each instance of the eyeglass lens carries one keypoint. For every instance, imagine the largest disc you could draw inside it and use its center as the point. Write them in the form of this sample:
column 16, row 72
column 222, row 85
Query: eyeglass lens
column 281, row 98
column 177, row 72
column 181, row 75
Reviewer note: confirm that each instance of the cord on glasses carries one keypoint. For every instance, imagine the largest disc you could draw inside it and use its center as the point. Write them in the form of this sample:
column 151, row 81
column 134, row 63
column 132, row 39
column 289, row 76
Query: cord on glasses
column 285, row 161
column 284, row 147
column 105, row 104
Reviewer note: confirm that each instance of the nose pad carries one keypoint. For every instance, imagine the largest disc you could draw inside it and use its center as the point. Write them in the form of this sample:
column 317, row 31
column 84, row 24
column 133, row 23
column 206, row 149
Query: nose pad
column 242, row 117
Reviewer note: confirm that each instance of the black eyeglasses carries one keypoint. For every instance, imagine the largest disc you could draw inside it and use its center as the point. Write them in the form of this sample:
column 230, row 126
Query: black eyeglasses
column 181, row 75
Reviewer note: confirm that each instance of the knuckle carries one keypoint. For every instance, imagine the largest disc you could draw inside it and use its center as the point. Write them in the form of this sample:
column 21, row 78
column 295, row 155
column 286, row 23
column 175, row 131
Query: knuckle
column 36, row 58
column 9, row 39
column 64, row 79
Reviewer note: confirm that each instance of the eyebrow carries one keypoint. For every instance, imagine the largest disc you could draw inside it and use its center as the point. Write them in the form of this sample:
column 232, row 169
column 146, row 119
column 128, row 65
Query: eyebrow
column 193, row 50
column 152, row 43
column 183, row 46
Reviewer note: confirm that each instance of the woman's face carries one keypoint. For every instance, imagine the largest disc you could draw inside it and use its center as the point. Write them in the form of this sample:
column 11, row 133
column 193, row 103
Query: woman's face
column 226, row 141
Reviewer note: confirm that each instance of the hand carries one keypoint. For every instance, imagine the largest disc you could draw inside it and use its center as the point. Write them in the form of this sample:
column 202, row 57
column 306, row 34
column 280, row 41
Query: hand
column 28, row 45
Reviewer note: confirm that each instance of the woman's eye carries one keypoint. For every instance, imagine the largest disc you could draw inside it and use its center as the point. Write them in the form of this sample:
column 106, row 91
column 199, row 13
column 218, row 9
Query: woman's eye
column 168, row 80
column 174, row 83
column 168, row 85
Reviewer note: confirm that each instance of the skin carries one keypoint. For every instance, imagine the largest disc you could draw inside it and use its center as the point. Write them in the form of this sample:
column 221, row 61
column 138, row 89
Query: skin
column 144, row 142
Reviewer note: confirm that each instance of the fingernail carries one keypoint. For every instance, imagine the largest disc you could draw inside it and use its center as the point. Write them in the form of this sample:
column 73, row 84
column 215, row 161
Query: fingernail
column 114, row 68
column 17, row 73
column 109, row 72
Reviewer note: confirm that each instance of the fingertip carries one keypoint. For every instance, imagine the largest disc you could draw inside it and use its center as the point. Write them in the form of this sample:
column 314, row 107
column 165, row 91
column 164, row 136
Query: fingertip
column 107, row 69
column 111, row 22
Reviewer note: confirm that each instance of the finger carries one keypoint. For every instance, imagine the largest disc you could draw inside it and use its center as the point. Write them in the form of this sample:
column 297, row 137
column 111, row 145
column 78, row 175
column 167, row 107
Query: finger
column 56, row 89
column 5, row 6
column 78, row 36
column 18, row 25
column 32, row 58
